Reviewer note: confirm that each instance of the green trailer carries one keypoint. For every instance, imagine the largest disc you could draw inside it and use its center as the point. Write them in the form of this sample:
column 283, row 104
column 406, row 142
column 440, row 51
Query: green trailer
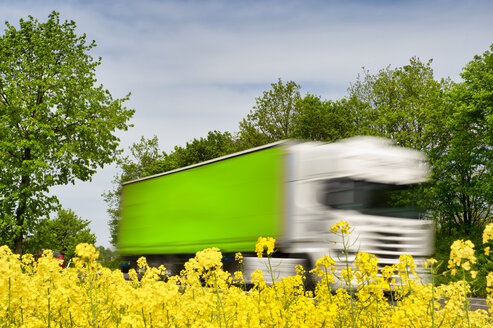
column 226, row 203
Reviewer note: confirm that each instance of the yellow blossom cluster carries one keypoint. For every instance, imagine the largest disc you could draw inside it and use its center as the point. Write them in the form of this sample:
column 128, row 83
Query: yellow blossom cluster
column 366, row 265
column 430, row 262
column 239, row 258
column 86, row 251
column 461, row 255
column 263, row 243
column 39, row 293
column 342, row 227
column 489, row 282
column 488, row 233
column 324, row 265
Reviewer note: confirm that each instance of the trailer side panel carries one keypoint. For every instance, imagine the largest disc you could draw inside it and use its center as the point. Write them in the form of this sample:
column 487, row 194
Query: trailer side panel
column 226, row 204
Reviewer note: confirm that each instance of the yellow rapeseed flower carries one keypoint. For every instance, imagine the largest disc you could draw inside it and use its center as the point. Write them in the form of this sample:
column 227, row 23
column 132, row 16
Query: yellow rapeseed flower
column 323, row 266
column 489, row 279
column 347, row 274
column 142, row 263
column 488, row 233
column 461, row 255
column 489, row 282
column 258, row 277
column 466, row 265
column 267, row 243
column 209, row 258
column 367, row 266
column 406, row 264
column 87, row 251
column 431, row 261
column 239, row 257
column 341, row 226
column 238, row 275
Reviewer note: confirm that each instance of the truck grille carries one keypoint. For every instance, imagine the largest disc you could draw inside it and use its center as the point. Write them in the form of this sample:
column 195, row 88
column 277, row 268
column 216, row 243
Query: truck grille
column 389, row 240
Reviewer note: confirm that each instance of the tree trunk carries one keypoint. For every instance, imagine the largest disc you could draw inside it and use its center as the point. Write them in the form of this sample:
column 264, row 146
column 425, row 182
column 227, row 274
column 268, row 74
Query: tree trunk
column 18, row 244
column 20, row 214
column 19, row 220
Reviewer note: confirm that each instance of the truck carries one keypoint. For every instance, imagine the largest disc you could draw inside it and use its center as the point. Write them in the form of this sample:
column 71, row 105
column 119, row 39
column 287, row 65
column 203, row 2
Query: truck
column 289, row 190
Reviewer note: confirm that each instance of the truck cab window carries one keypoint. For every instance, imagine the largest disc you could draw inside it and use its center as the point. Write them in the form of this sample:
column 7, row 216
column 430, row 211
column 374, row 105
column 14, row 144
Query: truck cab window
column 367, row 197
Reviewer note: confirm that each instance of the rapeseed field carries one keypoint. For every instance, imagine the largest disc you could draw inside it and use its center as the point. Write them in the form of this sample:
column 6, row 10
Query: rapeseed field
column 39, row 293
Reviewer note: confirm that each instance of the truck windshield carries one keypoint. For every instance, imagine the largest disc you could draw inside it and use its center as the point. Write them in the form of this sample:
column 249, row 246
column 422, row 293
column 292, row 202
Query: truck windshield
column 368, row 197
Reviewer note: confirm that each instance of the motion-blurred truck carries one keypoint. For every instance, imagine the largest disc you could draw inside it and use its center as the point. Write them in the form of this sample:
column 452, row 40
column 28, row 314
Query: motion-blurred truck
column 292, row 191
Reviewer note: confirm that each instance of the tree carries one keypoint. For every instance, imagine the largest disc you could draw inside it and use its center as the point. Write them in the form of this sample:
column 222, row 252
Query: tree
column 62, row 233
column 320, row 120
column 215, row 145
column 282, row 113
column 272, row 117
column 475, row 95
column 405, row 104
column 465, row 169
column 56, row 124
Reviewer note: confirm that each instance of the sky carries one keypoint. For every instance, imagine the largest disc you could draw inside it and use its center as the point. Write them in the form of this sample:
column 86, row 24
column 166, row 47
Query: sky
column 197, row 66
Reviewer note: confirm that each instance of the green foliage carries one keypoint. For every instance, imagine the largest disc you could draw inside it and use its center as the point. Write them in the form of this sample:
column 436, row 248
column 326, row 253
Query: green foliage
column 476, row 94
column 443, row 241
column 320, row 120
column 463, row 171
column 216, row 144
column 272, row 117
column 282, row 113
column 63, row 233
column 405, row 104
column 57, row 125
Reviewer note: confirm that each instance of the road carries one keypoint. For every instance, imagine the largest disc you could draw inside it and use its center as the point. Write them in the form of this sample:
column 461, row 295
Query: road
column 477, row 304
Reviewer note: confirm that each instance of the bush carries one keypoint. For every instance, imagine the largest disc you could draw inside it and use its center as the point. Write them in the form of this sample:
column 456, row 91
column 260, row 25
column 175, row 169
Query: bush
column 444, row 240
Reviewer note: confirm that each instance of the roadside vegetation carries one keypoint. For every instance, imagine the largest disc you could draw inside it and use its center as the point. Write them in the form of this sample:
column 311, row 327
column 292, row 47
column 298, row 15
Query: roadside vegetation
column 42, row 294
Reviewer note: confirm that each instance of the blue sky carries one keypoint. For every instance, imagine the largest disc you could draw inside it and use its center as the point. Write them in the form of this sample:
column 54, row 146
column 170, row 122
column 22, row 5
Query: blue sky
column 197, row 66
